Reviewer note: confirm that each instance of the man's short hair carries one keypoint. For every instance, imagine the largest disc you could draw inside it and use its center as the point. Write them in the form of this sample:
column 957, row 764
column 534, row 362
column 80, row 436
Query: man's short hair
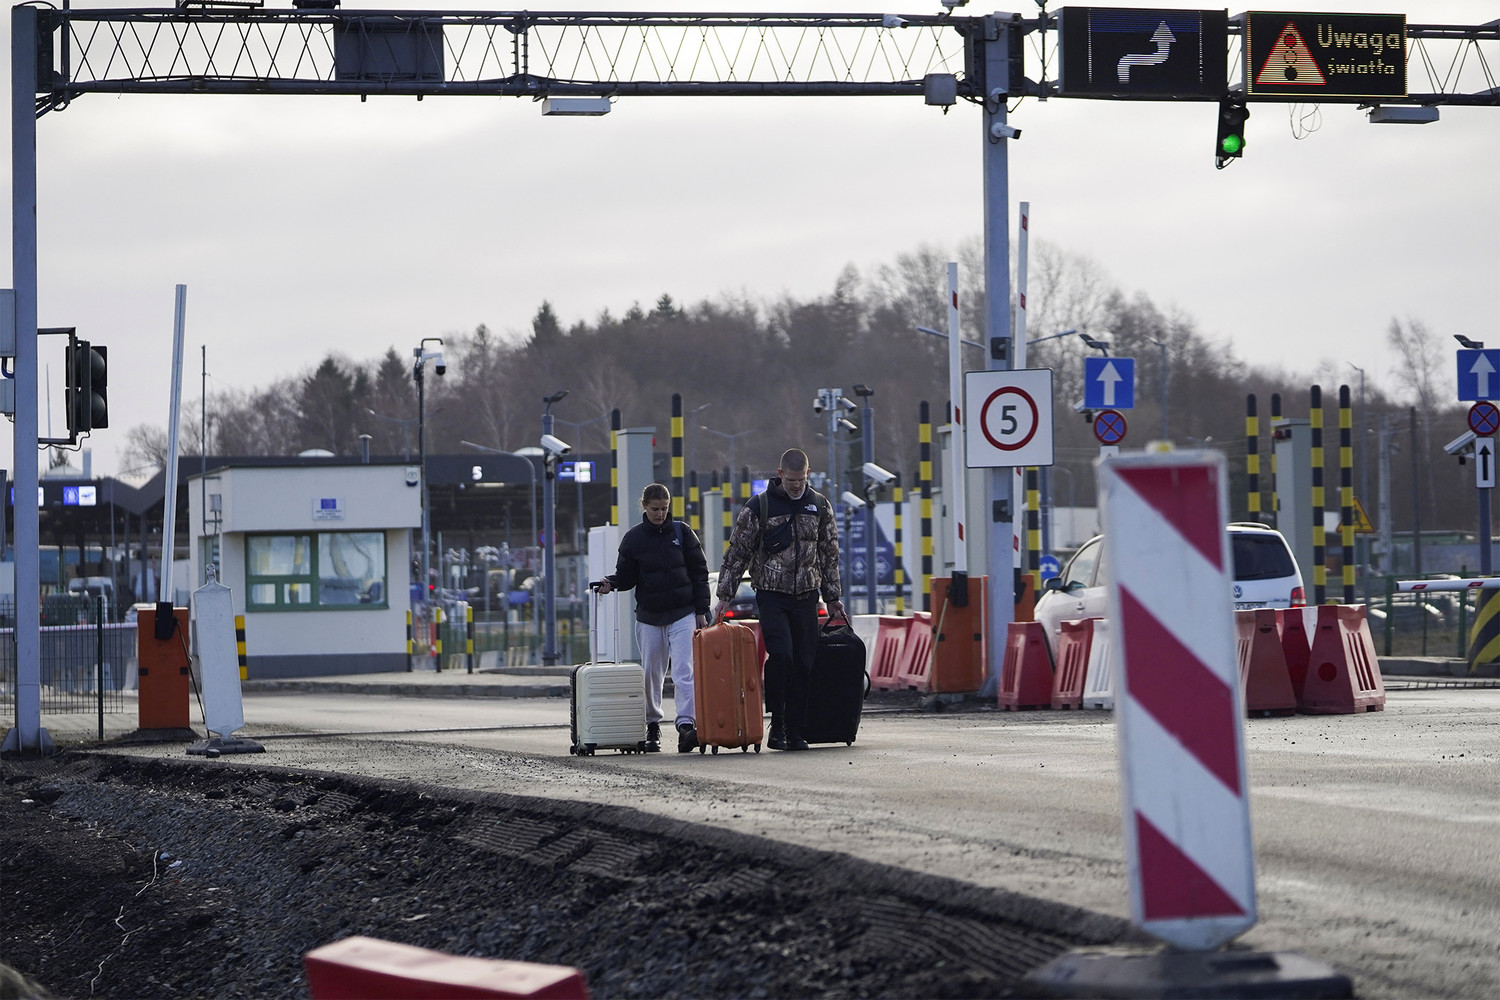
column 793, row 460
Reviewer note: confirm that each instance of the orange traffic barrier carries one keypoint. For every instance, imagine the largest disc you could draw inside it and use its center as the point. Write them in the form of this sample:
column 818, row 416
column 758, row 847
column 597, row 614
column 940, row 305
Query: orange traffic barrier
column 1073, row 642
column 1343, row 673
column 1265, row 681
column 958, row 652
column 362, row 968
column 1026, row 677
column 890, row 642
column 1099, row 685
column 1295, row 642
column 916, row 653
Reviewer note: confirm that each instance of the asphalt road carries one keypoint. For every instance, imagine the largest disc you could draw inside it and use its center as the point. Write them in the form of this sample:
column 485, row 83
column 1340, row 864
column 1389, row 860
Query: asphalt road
column 1377, row 836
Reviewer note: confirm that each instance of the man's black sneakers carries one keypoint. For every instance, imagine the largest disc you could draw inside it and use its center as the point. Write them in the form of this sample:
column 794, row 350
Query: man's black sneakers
column 687, row 737
column 785, row 739
column 653, row 737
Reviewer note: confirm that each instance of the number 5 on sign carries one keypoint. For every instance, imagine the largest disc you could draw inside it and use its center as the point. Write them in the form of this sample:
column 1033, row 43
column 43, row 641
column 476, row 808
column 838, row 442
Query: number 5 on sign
column 1008, row 420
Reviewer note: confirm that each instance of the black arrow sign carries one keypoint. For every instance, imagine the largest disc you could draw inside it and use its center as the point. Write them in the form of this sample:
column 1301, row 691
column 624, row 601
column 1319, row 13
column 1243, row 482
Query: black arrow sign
column 1483, row 450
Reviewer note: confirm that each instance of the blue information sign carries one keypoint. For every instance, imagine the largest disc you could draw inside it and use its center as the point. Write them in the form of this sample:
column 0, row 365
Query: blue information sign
column 1109, row 383
column 1478, row 375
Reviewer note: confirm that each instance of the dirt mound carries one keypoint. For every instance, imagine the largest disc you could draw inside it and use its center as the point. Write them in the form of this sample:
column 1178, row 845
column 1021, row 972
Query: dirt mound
column 127, row 877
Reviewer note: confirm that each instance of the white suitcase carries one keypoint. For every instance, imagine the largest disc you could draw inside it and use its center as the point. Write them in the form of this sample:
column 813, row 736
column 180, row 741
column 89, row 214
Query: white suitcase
column 608, row 704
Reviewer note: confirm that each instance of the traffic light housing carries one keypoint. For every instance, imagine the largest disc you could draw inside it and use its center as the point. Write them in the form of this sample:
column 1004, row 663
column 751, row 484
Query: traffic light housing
column 1231, row 140
column 87, row 396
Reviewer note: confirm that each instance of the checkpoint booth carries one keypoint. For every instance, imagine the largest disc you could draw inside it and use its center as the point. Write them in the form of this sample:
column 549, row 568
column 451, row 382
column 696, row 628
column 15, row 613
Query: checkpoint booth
column 318, row 558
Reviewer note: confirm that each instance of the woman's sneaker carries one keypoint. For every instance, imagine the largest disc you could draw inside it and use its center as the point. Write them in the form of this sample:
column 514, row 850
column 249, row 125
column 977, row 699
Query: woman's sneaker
column 687, row 737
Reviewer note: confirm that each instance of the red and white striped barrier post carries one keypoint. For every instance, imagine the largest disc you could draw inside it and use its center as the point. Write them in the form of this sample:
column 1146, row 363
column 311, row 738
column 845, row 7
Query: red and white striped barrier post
column 1178, row 705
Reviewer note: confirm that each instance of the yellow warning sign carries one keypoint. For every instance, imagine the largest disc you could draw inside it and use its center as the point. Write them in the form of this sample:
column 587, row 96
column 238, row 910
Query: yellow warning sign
column 1362, row 525
column 1290, row 64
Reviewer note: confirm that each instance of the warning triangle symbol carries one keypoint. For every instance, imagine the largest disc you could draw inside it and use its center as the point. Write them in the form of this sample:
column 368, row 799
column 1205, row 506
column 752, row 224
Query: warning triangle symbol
column 1290, row 63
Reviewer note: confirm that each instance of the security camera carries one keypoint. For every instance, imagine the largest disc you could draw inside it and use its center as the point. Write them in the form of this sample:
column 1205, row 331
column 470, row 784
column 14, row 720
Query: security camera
column 1000, row 130
column 847, row 404
column 555, row 445
column 439, row 365
column 875, row 473
column 1461, row 445
column 818, row 404
column 853, row 499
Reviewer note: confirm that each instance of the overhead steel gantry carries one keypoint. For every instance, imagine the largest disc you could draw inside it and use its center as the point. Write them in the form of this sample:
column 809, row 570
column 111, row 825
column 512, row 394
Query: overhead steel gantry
column 205, row 49
column 58, row 56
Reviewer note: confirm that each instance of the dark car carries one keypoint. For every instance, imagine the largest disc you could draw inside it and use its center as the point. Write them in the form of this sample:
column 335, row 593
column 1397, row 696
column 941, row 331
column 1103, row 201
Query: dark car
column 742, row 605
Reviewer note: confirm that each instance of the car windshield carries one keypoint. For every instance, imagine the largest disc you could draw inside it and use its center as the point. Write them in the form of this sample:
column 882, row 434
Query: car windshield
column 1261, row 557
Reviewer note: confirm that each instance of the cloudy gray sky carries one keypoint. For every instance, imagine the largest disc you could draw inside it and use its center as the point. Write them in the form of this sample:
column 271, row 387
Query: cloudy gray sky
column 304, row 225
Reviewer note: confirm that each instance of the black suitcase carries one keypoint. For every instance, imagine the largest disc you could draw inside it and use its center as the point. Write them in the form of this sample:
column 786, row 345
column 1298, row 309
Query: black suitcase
column 836, row 694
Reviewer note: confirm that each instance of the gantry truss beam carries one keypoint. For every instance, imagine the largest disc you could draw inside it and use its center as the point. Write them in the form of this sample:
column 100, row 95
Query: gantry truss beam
column 209, row 50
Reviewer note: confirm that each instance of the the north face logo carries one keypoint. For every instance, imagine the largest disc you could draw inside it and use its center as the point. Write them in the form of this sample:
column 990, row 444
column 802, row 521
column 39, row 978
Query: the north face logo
column 812, row 507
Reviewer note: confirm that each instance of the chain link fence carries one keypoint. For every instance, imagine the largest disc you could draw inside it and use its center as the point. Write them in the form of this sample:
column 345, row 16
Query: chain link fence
column 87, row 663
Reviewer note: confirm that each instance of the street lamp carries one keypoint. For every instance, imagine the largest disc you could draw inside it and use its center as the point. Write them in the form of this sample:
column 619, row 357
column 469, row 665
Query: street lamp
column 1051, row 336
column 692, row 442
column 867, row 512
column 1102, row 346
column 1473, row 345
column 404, row 423
column 731, row 438
column 1162, row 346
column 552, row 448
column 423, row 355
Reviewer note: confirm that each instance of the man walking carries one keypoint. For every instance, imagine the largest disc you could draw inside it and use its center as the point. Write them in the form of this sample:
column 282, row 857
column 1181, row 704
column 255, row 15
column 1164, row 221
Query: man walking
column 789, row 539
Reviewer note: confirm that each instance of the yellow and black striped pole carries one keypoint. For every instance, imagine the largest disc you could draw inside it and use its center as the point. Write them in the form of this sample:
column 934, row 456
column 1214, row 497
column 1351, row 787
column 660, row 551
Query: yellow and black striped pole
column 410, row 644
column 239, row 644
column 1320, row 568
column 1275, row 420
column 1034, row 528
column 679, row 488
column 437, row 640
column 923, row 597
column 1252, row 458
column 469, row 636
column 695, row 501
column 1484, row 640
column 899, row 572
column 745, row 483
column 1346, row 493
column 614, row 467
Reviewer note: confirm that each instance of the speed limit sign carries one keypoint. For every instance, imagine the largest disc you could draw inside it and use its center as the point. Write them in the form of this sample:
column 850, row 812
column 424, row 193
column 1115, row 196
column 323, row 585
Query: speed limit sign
column 1008, row 419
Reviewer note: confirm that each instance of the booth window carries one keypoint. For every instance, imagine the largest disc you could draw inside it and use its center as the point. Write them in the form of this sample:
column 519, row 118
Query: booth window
column 317, row 570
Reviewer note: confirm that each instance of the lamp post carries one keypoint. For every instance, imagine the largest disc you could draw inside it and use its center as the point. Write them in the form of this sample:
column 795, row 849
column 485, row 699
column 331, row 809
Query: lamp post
column 423, row 355
column 867, row 519
column 1161, row 346
column 551, row 449
column 531, row 471
column 731, row 438
column 405, row 425
column 579, row 531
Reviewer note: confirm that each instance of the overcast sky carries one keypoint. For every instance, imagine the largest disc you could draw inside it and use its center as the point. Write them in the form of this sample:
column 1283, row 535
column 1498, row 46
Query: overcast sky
column 304, row 225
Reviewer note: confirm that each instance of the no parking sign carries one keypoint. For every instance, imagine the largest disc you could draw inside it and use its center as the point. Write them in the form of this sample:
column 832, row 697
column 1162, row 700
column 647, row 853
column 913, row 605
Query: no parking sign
column 1009, row 418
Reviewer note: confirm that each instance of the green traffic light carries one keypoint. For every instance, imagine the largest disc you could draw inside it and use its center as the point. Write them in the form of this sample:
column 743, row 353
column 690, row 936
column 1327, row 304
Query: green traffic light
column 1232, row 144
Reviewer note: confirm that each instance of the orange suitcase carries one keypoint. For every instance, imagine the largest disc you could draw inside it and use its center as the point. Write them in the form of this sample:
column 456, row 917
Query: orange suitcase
column 726, row 688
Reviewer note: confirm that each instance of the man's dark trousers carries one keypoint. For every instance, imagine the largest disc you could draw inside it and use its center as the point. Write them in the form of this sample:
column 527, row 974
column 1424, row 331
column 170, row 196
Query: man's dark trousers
column 789, row 626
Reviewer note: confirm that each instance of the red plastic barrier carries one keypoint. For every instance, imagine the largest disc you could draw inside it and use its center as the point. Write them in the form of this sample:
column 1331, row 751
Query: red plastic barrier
column 1343, row 673
column 1295, row 644
column 362, row 968
column 1265, row 681
column 1074, row 641
column 890, row 641
column 1026, row 677
column 916, row 653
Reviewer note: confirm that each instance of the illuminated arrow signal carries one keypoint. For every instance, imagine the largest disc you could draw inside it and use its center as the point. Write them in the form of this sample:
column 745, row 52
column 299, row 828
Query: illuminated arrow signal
column 1163, row 39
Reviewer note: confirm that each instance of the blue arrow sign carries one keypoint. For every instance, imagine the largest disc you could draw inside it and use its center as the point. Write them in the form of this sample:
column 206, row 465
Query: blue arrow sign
column 1109, row 383
column 1478, row 375
column 1049, row 567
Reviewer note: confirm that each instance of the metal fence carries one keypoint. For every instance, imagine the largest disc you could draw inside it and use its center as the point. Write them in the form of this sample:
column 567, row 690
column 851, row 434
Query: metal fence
column 87, row 663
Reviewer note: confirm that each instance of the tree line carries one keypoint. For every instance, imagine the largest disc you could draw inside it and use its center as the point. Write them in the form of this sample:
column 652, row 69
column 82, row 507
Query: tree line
column 749, row 369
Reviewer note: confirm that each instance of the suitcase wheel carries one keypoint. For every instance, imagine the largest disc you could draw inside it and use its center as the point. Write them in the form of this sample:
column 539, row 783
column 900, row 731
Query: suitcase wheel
column 716, row 750
column 745, row 749
column 757, row 748
column 704, row 749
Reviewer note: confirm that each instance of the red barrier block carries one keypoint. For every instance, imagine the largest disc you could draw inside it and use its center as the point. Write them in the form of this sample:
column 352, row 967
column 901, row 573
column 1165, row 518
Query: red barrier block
column 1295, row 643
column 1074, row 642
column 362, row 968
column 916, row 653
column 890, row 642
column 1265, row 682
column 1026, row 677
column 1343, row 673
